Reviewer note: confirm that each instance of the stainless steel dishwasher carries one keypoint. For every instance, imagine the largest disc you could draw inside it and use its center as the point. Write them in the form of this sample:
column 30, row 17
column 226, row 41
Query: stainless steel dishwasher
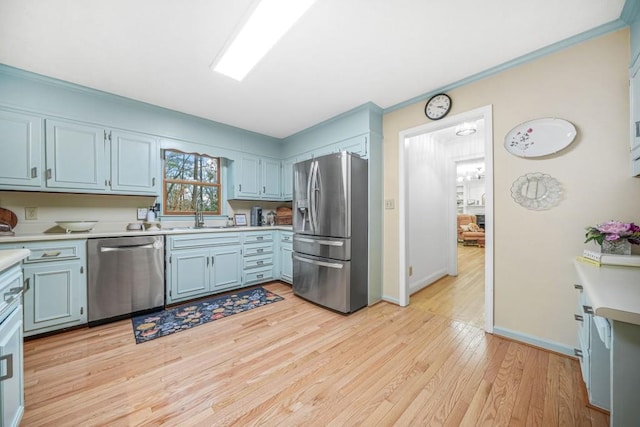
column 126, row 277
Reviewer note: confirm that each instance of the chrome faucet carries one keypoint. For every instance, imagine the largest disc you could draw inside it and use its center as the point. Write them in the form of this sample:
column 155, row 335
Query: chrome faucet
column 199, row 217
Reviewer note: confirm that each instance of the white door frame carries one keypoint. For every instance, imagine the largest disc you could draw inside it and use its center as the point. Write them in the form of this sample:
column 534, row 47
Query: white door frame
column 485, row 113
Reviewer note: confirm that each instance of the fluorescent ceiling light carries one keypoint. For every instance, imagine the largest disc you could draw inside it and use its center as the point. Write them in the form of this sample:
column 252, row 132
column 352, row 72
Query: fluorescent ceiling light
column 268, row 22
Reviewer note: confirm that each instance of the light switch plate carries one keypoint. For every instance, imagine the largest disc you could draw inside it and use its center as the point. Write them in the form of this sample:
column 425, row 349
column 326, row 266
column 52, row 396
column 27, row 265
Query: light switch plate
column 142, row 213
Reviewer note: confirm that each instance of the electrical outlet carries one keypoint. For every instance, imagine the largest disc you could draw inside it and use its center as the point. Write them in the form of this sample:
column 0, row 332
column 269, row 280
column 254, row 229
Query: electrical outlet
column 410, row 271
column 142, row 213
column 30, row 213
column 389, row 204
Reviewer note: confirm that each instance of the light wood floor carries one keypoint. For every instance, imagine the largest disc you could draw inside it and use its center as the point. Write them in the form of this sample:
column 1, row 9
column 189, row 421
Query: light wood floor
column 292, row 363
column 461, row 297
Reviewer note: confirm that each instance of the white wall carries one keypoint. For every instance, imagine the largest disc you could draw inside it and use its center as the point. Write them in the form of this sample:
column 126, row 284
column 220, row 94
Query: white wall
column 588, row 85
column 427, row 207
column 430, row 166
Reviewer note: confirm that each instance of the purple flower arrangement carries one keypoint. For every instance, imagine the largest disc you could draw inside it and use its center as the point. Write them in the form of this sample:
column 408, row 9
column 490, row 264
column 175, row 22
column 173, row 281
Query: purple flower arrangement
column 612, row 231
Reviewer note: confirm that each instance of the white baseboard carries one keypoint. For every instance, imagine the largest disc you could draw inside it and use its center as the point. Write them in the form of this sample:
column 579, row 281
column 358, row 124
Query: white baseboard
column 535, row 341
column 391, row 299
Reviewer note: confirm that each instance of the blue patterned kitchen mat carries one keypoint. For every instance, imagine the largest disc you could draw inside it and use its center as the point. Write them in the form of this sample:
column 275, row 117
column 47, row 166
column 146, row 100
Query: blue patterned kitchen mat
column 180, row 318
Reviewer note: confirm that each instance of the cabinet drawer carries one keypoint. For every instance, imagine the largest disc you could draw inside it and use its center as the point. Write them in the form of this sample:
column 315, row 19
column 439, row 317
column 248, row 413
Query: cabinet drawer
column 258, row 275
column 203, row 240
column 54, row 251
column 259, row 236
column 258, row 261
column 258, row 249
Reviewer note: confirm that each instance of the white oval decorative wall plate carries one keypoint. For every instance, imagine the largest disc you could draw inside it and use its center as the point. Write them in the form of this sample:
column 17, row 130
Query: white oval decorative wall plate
column 539, row 137
column 536, row 191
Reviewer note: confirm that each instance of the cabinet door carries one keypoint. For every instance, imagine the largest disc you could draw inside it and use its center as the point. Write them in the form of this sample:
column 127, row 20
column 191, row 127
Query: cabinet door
column 287, row 178
column 189, row 274
column 270, row 179
column 248, row 177
column 75, row 156
column 134, row 163
column 21, row 138
column 286, row 263
column 54, row 298
column 227, row 268
column 357, row 145
column 11, row 389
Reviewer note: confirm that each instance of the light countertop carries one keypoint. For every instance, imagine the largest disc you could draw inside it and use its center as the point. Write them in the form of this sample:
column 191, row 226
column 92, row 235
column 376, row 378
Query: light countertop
column 10, row 257
column 614, row 291
column 42, row 237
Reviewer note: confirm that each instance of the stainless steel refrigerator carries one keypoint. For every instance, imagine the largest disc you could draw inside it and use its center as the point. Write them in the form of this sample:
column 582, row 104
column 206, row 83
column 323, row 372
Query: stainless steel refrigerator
column 330, row 222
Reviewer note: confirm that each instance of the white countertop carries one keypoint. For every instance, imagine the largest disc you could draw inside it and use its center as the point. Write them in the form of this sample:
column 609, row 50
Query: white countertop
column 614, row 291
column 10, row 257
column 41, row 237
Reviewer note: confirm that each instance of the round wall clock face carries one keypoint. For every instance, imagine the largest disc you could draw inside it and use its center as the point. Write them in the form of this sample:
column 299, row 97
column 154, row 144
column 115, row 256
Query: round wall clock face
column 438, row 106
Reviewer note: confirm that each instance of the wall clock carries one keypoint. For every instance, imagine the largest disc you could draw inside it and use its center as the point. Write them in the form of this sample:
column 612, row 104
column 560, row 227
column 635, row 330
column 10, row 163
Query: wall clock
column 437, row 106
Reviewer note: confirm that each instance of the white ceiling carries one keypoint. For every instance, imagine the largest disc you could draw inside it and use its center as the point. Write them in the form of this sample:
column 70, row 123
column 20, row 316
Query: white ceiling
column 340, row 55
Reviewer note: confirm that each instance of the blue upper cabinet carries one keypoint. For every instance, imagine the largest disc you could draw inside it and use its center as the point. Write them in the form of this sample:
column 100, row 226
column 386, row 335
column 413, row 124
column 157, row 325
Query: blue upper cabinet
column 255, row 178
column 270, row 170
column 78, row 157
column 21, row 142
column 75, row 156
column 134, row 163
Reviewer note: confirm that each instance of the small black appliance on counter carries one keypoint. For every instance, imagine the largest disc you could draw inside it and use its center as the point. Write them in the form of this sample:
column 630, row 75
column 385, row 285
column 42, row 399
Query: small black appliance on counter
column 256, row 216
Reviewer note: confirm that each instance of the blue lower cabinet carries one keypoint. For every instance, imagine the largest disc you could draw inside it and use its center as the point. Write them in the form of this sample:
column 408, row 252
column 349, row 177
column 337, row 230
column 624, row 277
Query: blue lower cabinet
column 226, row 268
column 202, row 264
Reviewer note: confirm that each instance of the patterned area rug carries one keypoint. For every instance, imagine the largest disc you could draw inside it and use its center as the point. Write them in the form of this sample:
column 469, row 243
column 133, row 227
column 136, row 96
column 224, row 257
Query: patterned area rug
column 176, row 319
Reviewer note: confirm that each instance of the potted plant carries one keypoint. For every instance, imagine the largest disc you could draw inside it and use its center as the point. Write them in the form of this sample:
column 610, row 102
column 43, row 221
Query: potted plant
column 614, row 237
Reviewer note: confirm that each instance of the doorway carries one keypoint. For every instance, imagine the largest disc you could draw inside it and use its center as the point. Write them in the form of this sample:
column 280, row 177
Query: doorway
column 425, row 160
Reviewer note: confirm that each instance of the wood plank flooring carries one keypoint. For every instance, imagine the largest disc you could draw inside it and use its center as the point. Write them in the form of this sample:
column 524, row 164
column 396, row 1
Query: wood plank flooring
column 460, row 297
column 295, row 364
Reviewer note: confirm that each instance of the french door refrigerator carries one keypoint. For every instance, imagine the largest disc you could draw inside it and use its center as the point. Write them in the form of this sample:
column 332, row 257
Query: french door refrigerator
column 330, row 222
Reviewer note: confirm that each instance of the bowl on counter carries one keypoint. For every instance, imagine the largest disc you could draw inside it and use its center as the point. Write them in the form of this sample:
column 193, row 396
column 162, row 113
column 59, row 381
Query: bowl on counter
column 70, row 226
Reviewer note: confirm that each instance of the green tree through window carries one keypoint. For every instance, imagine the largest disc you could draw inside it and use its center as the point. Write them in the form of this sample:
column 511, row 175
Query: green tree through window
column 191, row 181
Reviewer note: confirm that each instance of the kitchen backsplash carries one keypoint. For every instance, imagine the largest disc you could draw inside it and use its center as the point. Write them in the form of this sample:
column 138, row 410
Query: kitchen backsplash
column 112, row 212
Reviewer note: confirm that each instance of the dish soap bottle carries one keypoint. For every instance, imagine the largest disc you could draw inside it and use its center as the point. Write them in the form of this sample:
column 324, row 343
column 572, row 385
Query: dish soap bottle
column 151, row 215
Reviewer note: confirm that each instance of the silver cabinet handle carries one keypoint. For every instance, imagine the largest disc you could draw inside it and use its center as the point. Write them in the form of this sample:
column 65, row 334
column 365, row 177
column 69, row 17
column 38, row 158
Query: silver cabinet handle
column 260, row 238
column 577, row 352
column 49, row 174
column 34, row 172
column 153, row 181
column 578, row 317
column 576, row 286
column 260, row 276
column 259, row 250
column 587, row 309
column 50, row 254
column 9, row 359
column 260, row 262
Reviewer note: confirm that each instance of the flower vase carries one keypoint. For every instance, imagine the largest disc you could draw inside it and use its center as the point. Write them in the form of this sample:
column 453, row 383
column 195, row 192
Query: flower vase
column 616, row 247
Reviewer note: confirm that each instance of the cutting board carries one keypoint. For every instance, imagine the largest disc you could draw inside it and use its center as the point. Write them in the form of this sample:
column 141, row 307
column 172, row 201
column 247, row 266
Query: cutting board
column 8, row 217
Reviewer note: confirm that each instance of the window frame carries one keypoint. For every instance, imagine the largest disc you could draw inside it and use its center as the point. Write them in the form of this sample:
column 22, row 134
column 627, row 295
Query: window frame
column 197, row 184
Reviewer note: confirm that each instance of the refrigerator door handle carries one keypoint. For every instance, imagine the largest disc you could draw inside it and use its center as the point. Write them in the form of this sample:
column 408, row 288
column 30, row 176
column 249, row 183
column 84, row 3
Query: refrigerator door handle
column 320, row 242
column 309, row 201
column 317, row 195
column 319, row 263
column 312, row 188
